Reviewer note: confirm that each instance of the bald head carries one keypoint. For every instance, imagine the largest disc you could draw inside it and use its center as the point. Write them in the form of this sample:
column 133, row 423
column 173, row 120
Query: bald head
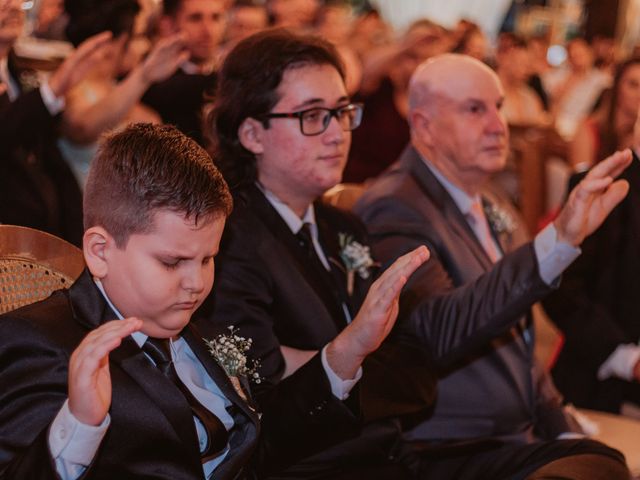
column 450, row 75
column 457, row 125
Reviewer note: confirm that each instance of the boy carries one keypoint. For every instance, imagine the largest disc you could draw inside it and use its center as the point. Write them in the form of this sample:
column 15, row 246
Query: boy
column 154, row 212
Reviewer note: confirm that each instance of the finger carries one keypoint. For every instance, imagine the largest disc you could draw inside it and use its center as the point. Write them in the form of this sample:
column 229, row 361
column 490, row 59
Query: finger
column 613, row 196
column 92, row 44
column 403, row 266
column 100, row 342
column 611, row 166
column 591, row 186
column 112, row 329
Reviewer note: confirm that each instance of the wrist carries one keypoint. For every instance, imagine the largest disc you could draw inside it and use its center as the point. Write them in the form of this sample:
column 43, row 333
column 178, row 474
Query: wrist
column 343, row 355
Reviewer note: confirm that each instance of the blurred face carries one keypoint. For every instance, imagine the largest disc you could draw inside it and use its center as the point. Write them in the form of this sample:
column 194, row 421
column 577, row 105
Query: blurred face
column 245, row 21
column 288, row 161
column 202, row 22
column 294, row 13
column 467, row 132
column 629, row 90
column 162, row 276
column 579, row 55
column 476, row 46
column 11, row 21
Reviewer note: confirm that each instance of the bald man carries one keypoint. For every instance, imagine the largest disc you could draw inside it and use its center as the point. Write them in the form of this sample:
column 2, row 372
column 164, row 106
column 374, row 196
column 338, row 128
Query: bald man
column 498, row 414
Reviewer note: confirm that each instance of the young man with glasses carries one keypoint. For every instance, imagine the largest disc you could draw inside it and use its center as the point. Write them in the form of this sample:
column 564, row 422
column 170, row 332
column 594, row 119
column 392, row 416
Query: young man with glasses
column 292, row 272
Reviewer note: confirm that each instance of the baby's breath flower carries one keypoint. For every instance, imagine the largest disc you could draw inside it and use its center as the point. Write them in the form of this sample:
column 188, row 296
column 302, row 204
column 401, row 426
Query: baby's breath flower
column 229, row 352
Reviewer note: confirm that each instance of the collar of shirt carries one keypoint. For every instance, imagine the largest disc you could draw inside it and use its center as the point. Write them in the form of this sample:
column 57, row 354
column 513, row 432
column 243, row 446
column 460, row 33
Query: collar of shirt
column 295, row 223
column 139, row 337
column 462, row 200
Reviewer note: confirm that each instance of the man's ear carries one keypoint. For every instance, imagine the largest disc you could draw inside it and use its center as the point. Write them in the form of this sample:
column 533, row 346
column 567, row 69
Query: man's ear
column 421, row 126
column 96, row 243
column 250, row 133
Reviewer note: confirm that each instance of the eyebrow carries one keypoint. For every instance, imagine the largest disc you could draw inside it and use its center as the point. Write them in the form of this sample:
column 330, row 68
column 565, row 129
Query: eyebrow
column 317, row 102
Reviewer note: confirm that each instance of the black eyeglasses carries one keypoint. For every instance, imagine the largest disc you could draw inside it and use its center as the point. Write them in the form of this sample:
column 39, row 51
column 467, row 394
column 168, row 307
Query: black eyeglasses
column 314, row 121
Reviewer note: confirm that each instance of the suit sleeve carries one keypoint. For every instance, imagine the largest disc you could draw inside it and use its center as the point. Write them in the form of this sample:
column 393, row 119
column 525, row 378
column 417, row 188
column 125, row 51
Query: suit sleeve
column 452, row 322
column 302, row 417
column 33, row 387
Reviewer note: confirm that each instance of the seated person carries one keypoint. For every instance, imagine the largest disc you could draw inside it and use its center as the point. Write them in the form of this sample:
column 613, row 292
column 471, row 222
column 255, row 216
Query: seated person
column 597, row 309
column 292, row 271
column 37, row 188
column 81, row 395
column 494, row 398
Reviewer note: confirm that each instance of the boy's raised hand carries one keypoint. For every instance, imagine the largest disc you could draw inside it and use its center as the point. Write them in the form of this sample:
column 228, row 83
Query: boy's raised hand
column 89, row 377
column 376, row 317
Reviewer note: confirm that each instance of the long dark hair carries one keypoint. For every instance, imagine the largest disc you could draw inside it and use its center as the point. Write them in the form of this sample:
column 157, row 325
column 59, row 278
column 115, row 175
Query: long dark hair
column 248, row 80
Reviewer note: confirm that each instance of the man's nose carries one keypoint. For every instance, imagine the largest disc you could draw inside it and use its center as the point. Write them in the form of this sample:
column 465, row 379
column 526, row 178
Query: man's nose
column 496, row 122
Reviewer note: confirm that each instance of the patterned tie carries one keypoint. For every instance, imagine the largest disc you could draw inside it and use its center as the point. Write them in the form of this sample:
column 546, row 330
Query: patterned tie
column 481, row 228
column 217, row 436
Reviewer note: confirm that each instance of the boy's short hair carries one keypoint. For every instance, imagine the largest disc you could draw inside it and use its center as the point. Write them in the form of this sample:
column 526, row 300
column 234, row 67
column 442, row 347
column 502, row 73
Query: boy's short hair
column 247, row 84
column 145, row 168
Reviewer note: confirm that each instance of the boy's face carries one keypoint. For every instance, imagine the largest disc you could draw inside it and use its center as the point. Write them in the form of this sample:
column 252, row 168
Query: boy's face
column 163, row 276
column 290, row 161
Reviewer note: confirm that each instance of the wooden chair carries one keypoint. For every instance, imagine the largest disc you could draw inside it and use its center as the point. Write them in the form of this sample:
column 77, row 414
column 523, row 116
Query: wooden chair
column 33, row 264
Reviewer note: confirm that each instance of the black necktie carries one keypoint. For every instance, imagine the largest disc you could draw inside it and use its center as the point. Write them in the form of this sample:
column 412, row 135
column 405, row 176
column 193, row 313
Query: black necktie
column 331, row 276
column 217, row 435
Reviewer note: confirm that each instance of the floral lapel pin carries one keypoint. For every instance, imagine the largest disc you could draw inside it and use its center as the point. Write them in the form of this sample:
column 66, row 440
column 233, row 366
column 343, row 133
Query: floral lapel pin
column 230, row 353
column 500, row 220
column 356, row 258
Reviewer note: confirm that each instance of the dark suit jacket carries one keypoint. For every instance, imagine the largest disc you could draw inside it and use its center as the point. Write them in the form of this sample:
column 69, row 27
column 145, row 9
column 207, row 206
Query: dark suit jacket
column 597, row 307
column 265, row 286
column 488, row 389
column 179, row 101
column 152, row 434
column 37, row 188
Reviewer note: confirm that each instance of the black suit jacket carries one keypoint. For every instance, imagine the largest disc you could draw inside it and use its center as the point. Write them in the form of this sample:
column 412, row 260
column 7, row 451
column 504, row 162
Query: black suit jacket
column 37, row 187
column 488, row 388
column 597, row 307
column 265, row 286
column 152, row 434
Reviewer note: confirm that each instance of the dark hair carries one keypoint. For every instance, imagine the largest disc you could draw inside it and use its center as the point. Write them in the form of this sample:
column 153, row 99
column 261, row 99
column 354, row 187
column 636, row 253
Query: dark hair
column 609, row 141
column 247, row 84
column 89, row 17
column 144, row 168
column 171, row 7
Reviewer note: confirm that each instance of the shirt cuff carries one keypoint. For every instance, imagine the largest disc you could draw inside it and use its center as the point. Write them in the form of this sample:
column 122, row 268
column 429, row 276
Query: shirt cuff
column 620, row 363
column 339, row 387
column 553, row 256
column 54, row 104
column 72, row 440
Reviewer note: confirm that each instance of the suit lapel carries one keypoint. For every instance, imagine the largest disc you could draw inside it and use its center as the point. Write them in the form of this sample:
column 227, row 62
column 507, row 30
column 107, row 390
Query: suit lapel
column 432, row 188
column 320, row 281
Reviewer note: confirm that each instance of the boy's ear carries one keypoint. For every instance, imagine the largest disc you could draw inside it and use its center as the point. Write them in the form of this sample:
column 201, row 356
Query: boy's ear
column 250, row 135
column 95, row 245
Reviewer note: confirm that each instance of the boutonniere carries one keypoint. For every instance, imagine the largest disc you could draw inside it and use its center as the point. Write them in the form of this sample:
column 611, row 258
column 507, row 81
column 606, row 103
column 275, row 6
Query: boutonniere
column 230, row 353
column 356, row 258
column 500, row 220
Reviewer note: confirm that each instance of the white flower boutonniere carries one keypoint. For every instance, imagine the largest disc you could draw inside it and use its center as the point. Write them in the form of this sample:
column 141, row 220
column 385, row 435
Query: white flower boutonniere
column 356, row 258
column 500, row 220
column 229, row 352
